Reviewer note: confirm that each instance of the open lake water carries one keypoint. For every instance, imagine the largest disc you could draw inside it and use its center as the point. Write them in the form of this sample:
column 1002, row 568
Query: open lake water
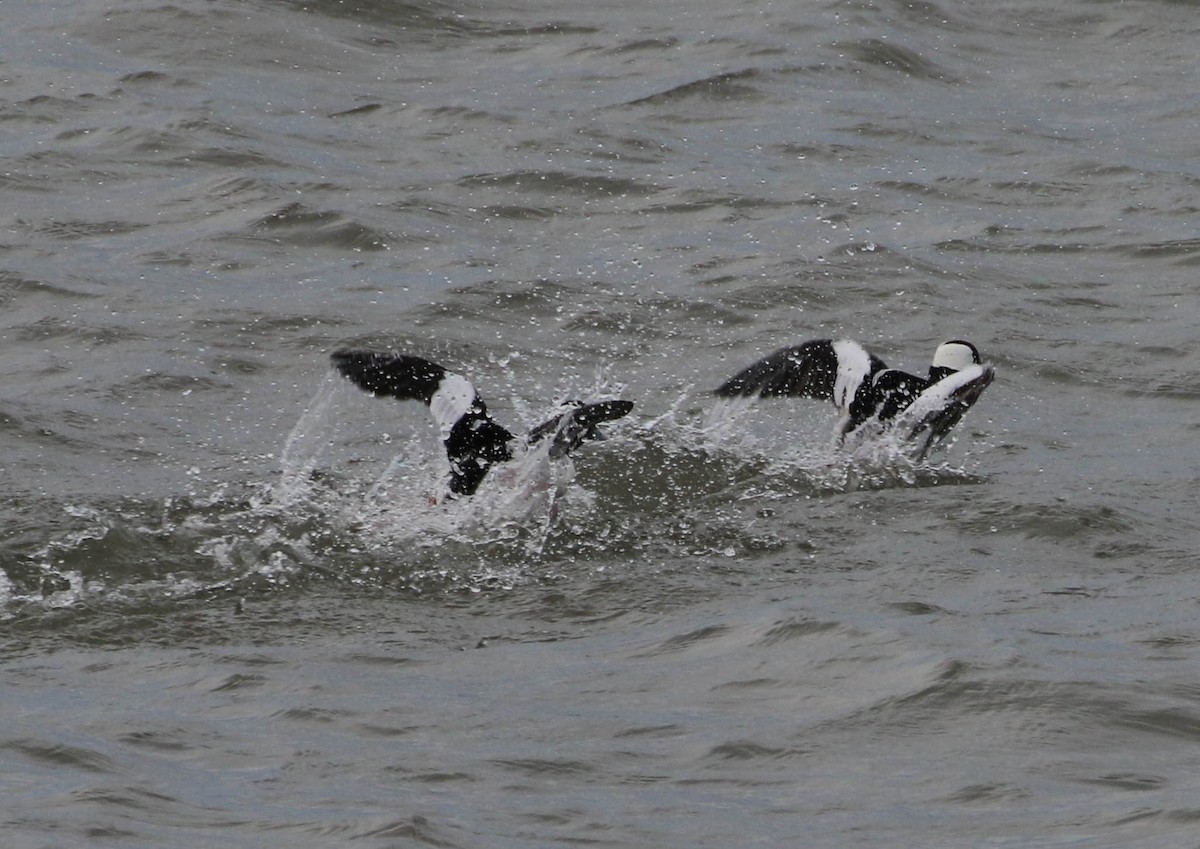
column 229, row 615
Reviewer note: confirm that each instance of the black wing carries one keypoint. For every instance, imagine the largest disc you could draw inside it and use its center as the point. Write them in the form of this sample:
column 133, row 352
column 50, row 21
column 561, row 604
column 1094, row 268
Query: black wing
column 808, row 370
column 839, row 370
column 474, row 440
column 400, row 376
column 574, row 427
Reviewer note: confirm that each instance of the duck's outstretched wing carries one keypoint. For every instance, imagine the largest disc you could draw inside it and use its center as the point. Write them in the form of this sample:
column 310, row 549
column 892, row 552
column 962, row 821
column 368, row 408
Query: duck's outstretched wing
column 939, row 408
column 577, row 425
column 807, row 370
column 821, row 368
column 389, row 375
column 840, row 370
column 474, row 440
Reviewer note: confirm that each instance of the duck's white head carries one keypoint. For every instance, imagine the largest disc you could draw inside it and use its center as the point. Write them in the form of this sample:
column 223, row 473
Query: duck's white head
column 955, row 355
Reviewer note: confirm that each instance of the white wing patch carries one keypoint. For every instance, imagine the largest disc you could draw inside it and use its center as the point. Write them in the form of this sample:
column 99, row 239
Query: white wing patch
column 939, row 395
column 853, row 365
column 453, row 399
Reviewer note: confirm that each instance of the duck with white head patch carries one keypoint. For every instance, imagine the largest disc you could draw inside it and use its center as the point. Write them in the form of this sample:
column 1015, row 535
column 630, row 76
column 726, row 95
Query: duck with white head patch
column 474, row 441
column 870, row 396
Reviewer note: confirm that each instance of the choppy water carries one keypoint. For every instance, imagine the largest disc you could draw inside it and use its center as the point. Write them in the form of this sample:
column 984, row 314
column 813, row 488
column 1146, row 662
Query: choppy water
column 232, row 618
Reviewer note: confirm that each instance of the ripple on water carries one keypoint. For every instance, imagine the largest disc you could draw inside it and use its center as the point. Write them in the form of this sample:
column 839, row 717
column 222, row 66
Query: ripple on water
column 60, row 755
column 300, row 225
column 1059, row 520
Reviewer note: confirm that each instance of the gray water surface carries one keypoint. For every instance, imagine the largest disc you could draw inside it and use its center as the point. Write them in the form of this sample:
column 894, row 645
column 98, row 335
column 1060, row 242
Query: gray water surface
column 229, row 615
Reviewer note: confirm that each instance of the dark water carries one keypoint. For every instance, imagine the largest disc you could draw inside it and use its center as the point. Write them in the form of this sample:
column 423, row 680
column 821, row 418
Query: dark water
column 231, row 618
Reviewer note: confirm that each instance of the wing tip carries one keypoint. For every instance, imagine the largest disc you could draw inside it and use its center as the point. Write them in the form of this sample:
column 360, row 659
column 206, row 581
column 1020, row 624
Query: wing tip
column 388, row 373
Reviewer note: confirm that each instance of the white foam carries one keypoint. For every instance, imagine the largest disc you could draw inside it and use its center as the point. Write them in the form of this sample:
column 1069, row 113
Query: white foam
column 307, row 443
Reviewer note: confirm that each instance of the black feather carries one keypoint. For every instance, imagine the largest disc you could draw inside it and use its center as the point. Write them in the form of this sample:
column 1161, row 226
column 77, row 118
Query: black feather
column 400, row 376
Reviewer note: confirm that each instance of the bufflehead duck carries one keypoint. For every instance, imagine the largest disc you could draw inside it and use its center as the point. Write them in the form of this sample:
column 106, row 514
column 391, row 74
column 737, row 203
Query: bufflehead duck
column 868, row 394
column 474, row 440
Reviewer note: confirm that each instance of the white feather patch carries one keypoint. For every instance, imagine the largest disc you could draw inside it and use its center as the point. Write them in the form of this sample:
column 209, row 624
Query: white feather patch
column 453, row 399
column 853, row 366
column 939, row 395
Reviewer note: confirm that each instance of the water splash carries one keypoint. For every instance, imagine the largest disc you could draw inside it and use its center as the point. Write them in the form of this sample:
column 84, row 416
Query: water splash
column 307, row 444
column 794, row 444
column 406, row 503
column 369, row 509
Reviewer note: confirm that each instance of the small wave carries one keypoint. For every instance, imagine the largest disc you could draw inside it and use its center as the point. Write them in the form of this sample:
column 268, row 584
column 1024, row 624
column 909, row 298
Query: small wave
column 562, row 182
column 1184, row 252
column 723, row 86
column 1056, row 521
column 297, row 224
column 885, row 54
